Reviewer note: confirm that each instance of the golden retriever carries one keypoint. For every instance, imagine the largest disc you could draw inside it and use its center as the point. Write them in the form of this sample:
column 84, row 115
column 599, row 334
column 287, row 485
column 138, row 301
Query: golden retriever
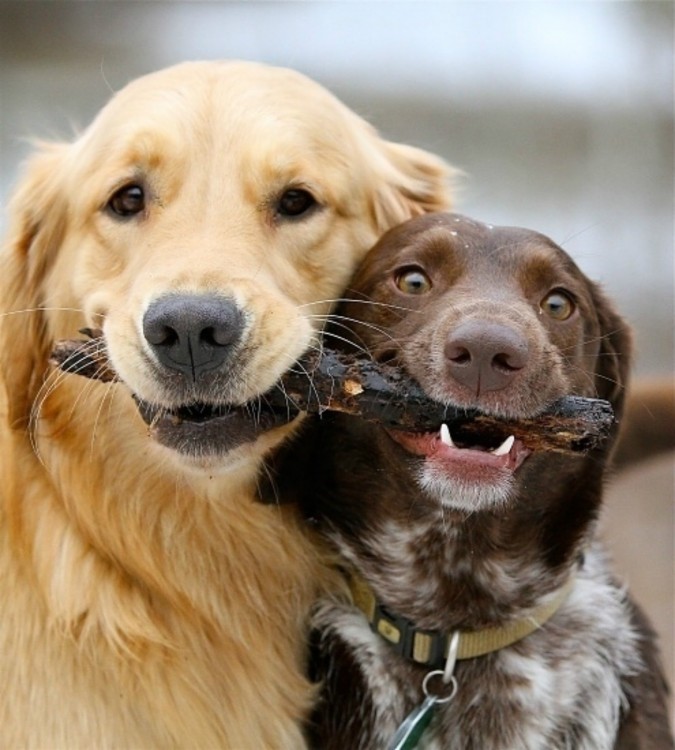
column 205, row 222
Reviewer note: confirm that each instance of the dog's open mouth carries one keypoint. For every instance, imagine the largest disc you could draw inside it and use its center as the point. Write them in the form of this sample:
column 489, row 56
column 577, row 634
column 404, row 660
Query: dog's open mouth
column 201, row 429
column 460, row 454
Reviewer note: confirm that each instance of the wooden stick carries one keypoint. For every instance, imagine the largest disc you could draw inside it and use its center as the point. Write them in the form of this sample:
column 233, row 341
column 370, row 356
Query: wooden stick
column 86, row 358
column 333, row 381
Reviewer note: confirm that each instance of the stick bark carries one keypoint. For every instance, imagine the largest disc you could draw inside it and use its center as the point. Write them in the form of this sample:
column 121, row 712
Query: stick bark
column 332, row 381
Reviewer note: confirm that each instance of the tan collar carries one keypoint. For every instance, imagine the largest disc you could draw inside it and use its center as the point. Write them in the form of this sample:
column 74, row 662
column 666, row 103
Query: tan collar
column 431, row 647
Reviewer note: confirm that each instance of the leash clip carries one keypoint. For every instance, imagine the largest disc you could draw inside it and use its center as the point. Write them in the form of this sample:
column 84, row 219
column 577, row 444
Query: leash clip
column 411, row 729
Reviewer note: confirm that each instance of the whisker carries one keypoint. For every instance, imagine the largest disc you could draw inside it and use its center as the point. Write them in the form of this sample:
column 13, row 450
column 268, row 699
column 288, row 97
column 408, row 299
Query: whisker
column 49, row 386
column 578, row 233
column 342, row 339
column 344, row 321
column 272, row 484
column 45, row 308
column 106, row 396
column 356, row 341
column 288, row 399
column 311, row 387
column 372, row 302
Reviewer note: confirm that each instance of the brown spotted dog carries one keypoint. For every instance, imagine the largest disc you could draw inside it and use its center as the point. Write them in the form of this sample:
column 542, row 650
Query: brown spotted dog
column 488, row 540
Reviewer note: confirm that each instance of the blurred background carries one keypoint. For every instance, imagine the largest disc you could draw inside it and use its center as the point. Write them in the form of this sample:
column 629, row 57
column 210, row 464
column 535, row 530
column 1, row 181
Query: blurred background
column 560, row 114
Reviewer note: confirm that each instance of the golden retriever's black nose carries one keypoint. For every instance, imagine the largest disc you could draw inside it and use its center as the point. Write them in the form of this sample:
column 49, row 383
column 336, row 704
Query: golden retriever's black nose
column 193, row 333
column 485, row 356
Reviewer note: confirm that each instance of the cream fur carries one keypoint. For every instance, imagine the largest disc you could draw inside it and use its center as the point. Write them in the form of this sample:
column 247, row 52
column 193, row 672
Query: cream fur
column 147, row 600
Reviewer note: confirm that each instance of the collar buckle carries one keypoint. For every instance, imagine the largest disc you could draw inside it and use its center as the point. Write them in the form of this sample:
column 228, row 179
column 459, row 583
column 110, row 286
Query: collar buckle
column 421, row 646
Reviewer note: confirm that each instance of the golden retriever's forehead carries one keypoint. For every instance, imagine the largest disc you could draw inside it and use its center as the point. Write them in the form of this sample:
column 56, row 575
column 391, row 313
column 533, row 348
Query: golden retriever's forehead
column 220, row 104
column 269, row 125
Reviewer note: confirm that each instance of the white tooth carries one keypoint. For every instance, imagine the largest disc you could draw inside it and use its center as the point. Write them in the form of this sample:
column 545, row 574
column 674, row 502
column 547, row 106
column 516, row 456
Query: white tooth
column 505, row 447
column 445, row 435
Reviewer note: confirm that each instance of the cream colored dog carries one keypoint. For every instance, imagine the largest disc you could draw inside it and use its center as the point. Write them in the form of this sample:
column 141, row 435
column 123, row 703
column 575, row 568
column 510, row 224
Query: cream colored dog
column 205, row 222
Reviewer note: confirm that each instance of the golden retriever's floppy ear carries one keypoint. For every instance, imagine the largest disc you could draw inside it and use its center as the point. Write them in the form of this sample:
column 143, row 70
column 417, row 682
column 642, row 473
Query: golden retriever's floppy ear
column 614, row 361
column 37, row 215
column 413, row 182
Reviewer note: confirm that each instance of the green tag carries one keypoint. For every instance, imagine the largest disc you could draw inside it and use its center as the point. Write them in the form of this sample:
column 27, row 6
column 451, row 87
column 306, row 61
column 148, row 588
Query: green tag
column 410, row 732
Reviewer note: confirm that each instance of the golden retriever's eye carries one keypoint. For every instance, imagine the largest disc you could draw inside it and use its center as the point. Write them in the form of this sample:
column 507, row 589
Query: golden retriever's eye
column 295, row 202
column 413, row 281
column 557, row 305
column 128, row 200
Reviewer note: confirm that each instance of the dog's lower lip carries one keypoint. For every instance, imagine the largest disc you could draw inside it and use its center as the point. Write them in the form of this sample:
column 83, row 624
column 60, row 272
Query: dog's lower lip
column 203, row 429
column 430, row 445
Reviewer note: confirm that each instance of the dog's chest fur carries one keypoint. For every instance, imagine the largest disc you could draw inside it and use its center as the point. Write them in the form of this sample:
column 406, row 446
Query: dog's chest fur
column 560, row 688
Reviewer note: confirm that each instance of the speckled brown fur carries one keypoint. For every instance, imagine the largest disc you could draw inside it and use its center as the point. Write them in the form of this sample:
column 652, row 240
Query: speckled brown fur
column 467, row 558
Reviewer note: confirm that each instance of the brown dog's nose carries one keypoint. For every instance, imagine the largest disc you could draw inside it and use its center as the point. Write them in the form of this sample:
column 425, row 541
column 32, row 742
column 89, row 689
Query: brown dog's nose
column 193, row 333
column 484, row 356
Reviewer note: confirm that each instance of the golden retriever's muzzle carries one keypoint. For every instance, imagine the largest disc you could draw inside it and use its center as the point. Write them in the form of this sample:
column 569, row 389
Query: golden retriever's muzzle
column 196, row 341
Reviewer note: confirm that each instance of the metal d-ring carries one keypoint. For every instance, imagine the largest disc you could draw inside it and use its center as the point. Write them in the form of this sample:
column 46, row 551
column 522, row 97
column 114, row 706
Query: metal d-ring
column 446, row 673
column 439, row 698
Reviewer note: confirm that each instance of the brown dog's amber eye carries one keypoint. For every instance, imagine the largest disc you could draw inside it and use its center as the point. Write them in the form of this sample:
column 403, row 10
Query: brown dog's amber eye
column 413, row 281
column 127, row 201
column 557, row 305
column 295, row 202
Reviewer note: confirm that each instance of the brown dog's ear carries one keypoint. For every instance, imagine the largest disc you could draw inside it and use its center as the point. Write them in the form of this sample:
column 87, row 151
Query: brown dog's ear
column 413, row 182
column 615, row 357
column 36, row 224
